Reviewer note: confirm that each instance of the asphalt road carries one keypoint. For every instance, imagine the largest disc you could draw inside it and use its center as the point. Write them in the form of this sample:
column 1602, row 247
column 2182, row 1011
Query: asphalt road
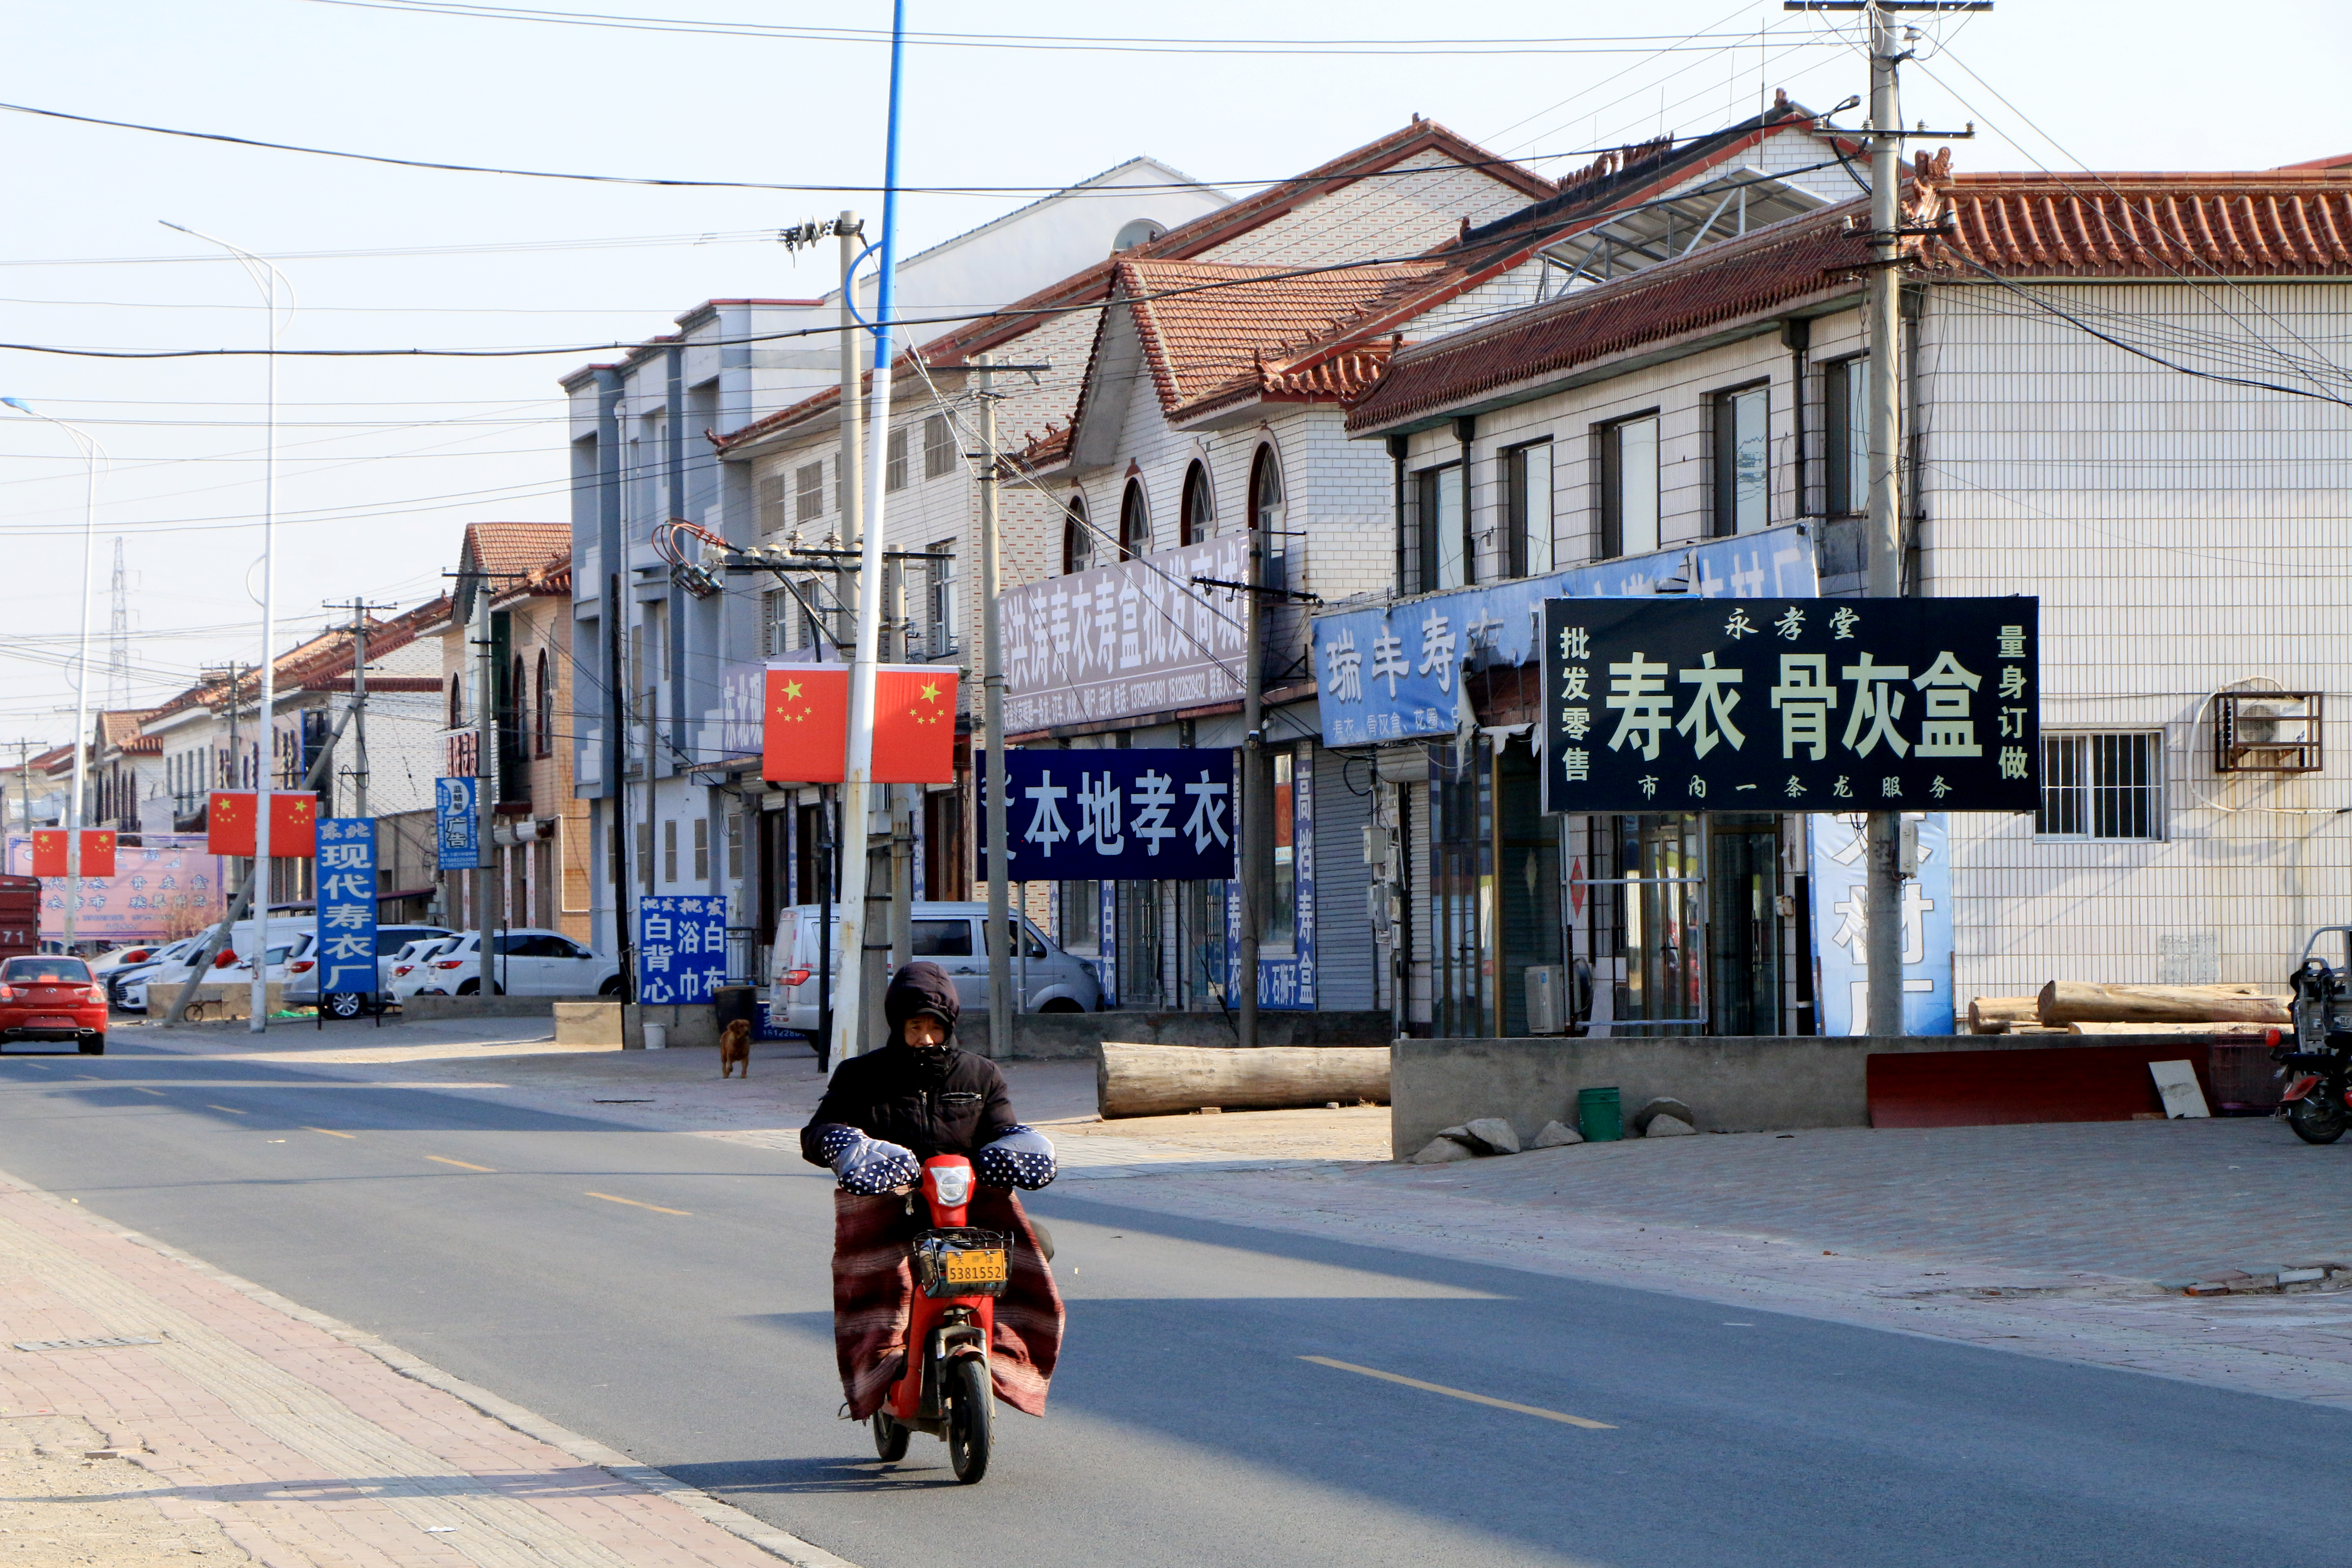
column 540, row 1256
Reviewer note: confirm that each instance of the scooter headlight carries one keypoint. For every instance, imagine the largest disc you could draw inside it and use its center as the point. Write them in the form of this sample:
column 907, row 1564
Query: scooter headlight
column 951, row 1185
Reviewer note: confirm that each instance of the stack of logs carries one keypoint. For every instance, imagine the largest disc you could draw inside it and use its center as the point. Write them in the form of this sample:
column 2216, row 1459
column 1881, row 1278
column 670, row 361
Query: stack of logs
column 2077, row 1007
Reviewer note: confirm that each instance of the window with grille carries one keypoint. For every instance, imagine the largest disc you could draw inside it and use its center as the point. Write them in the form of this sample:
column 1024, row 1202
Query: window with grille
column 771, row 503
column 940, row 601
column 1200, row 515
column 702, row 850
column 1077, row 538
column 669, row 850
column 808, row 484
column 939, row 448
column 894, row 471
column 1134, row 522
column 2101, row 786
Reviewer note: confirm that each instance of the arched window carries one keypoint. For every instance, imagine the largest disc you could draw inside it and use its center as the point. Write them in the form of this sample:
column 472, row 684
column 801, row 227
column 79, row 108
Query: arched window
column 1134, row 522
column 1077, row 538
column 1266, row 519
column 546, row 707
column 1199, row 506
column 457, row 703
column 517, row 714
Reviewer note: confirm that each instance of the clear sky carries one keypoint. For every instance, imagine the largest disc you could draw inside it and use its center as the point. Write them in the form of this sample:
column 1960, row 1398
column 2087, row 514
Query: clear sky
column 384, row 460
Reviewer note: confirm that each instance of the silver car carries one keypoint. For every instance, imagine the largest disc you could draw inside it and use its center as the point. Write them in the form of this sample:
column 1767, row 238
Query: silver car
column 302, row 987
column 950, row 935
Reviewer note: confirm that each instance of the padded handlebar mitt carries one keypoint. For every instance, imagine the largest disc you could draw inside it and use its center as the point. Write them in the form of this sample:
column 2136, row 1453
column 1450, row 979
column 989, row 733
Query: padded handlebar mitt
column 1023, row 1158
column 865, row 1166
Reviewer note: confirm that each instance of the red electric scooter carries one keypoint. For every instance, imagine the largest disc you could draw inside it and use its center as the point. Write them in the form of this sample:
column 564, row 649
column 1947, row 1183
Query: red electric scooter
column 960, row 1271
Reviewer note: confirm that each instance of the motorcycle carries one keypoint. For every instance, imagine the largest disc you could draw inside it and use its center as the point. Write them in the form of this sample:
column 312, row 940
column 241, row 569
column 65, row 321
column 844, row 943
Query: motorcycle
column 960, row 1271
column 2317, row 1102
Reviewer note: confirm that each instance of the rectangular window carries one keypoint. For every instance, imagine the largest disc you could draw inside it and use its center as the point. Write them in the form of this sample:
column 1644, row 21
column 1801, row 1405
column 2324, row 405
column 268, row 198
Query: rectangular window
column 808, row 484
column 939, row 602
column 939, row 448
column 894, row 472
column 771, row 503
column 1742, row 491
column 1845, row 435
column 939, row 939
column 702, row 850
column 1528, row 479
column 645, row 856
column 1628, row 463
column 1282, row 917
column 669, row 851
column 735, row 845
column 2101, row 786
column 1081, row 916
column 1445, row 555
column 775, row 610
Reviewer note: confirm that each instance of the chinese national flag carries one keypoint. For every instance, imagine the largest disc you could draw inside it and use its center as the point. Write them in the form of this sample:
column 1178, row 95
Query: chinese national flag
column 228, row 822
column 97, row 852
column 806, row 733
column 48, row 852
column 293, row 824
column 914, row 725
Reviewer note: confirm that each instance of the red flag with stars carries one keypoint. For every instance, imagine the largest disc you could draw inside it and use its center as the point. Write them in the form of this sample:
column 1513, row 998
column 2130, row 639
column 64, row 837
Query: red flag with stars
column 96, row 852
column 805, row 733
column 293, row 825
column 48, row 852
column 914, row 724
column 228, row 822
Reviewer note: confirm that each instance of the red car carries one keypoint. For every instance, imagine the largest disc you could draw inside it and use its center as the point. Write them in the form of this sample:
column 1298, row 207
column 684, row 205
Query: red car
column 53, row 998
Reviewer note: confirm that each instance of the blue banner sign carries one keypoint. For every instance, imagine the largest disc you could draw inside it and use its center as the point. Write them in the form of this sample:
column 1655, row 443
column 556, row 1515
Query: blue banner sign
column 681, row 947
column 1395, row 673
column 458, row 823
column 346, row 906
column 1841, row 926
column 1117, row 815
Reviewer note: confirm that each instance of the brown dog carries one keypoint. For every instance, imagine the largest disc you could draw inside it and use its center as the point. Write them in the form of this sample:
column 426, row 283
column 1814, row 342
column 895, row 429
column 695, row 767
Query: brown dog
column 735, row 1048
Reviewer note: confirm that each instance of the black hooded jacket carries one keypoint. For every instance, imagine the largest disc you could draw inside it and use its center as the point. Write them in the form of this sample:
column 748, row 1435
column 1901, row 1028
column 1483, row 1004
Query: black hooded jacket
column 940, row 1101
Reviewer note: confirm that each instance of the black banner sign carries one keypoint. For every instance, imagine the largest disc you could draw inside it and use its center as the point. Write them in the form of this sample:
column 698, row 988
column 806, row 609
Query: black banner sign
column 1668, row 704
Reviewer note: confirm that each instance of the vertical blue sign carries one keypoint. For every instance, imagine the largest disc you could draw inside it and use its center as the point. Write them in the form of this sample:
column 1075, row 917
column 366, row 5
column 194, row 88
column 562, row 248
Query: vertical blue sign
column 681, row 947
column 346, row 906
column 456, row 824
column 1841, row 904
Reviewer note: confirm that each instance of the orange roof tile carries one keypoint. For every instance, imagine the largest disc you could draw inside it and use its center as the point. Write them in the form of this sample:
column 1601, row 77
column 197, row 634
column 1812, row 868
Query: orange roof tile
column 2276, row 222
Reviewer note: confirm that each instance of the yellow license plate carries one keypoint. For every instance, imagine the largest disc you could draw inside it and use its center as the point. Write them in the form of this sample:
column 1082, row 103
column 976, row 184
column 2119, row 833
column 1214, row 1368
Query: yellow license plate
column 980, row 1266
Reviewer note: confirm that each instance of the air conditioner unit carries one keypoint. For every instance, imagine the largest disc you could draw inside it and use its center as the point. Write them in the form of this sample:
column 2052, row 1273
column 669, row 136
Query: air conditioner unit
column 1546, row 993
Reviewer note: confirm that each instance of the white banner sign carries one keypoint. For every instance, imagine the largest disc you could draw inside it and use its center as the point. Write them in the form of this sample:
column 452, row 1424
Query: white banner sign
column 1119, row 641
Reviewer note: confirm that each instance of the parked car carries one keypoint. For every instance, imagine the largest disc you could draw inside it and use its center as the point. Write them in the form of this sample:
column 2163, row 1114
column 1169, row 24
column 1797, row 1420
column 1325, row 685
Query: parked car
column 302, row 974
column 408, row 974
column 529, row 962
column 290, row 938
column 950, row 935
column 173, row 956
column 53, row 998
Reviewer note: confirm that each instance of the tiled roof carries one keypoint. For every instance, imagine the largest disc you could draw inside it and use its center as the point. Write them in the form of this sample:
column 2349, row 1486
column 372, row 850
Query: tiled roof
column 516, row 547
column 2276, row 222
column 1233, row 332
column 119, row 728
column 1769, row 269
column 1088, row 287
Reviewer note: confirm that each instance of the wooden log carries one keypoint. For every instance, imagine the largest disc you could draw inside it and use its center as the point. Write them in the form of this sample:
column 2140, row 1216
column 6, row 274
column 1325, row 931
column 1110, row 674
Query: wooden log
column 1158, row 1080
column 2079, row 1002
column 1989, row 1015
column 2219, row 1031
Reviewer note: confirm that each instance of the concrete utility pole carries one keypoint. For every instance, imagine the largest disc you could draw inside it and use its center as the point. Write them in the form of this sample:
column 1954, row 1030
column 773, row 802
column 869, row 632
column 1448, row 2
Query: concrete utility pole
column 1000, row 938
column 1882, row 314
column 901, row 798
column 486, row 779
column 360, row 609
column 850, row 480
column 1255, row 803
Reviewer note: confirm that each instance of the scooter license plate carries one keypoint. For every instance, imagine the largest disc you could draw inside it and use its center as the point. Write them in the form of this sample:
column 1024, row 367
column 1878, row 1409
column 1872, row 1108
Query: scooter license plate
column 977, row 1266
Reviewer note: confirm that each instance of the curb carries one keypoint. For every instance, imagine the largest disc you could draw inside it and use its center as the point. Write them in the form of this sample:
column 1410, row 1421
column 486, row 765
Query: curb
column 776, row 1542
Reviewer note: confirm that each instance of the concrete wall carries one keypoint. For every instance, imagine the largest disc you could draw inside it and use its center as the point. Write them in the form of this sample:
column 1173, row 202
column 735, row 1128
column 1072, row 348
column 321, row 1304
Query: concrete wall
column 1734, row 1084
column 1056, row 1036
column 421, row 1008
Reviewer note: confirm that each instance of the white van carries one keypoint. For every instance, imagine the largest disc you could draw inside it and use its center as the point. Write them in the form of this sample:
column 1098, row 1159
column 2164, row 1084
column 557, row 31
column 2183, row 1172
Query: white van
column 950, row 935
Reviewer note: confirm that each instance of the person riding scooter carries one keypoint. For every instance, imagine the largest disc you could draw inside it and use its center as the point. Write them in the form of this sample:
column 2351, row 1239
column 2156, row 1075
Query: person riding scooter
column 883, row 1114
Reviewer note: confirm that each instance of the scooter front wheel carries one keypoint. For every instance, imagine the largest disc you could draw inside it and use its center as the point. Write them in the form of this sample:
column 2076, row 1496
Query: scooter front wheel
column 2314, row 1118
column 967, row 1396
column 889, row 1437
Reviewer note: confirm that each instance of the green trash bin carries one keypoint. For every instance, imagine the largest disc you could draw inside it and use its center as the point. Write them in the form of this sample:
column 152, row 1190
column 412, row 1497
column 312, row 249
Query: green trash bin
column 1600, row 1116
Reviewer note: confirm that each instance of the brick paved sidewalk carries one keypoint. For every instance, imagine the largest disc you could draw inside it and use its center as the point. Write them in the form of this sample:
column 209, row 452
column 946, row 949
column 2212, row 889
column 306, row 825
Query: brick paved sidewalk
column 308, row 1443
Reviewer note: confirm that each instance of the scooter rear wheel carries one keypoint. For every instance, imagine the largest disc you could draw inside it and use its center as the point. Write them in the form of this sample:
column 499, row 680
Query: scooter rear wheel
column 967, row 1396
column 889, row 1437
column 2315, row 1121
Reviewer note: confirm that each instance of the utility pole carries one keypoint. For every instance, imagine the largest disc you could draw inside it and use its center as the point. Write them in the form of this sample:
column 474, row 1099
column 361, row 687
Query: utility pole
column 118, row 628
column 901, row 798
column 25, row 773
column 1883, row 530
column 360, row 609
column 486, row 879
column 850, row 1031
column 1255, row 803
column 851, row 481
column 999, row 942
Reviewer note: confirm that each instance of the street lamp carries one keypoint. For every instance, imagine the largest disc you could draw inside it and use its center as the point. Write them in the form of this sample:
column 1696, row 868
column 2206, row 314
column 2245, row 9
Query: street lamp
column 93, row 459
column 265, row 278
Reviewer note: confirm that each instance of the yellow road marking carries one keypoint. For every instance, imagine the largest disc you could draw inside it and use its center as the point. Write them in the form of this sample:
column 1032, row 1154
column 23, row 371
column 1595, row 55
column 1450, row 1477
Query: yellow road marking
column 232, row 1109
column 445, row 1160
column 156, row 1092
column 1459, row 1394
column 634, row 1204
column 330, row 1132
